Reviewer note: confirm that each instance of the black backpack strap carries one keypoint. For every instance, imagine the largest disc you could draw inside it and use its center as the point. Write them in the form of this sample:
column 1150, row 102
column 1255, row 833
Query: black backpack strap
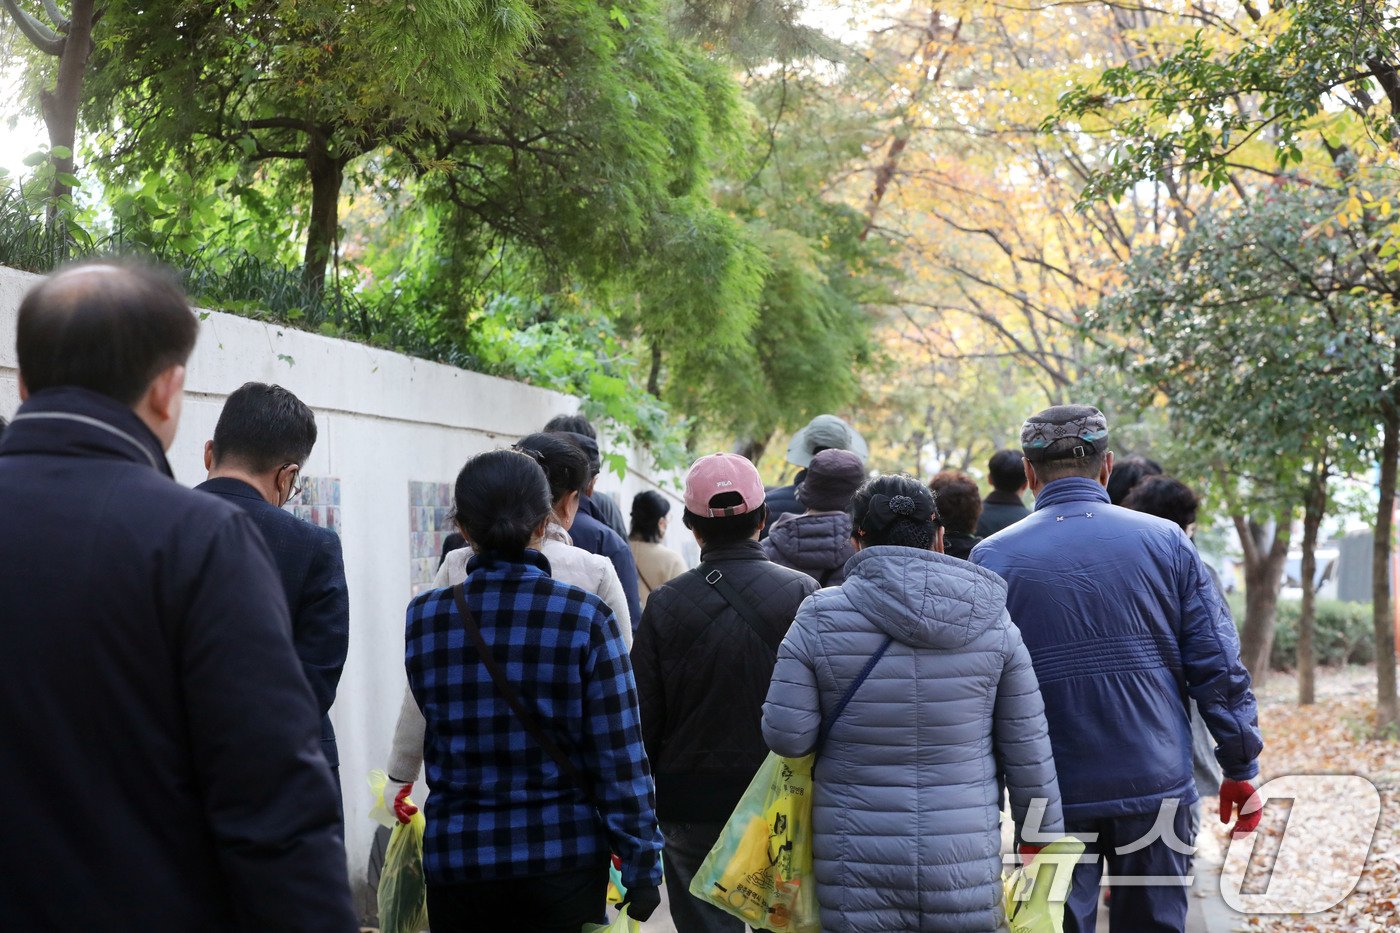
column 715, row 577
column 513, row 698
column 849, row 694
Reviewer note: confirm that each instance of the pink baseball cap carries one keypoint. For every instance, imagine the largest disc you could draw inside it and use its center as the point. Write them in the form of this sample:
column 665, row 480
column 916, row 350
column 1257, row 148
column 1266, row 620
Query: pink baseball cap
column 709, row 476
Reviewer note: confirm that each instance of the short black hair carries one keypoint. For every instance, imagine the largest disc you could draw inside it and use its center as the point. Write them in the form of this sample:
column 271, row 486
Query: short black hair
column 725, row 529
column 1127, row 473
column 1166, row 498
column 959, row 503
column 903, row 532
column 565, row 465
column 1090, row 466
column 649, row 507
column 502, row 498
column 571, row 424
column 1005, row 471
column 263, row 427
column 108, row 327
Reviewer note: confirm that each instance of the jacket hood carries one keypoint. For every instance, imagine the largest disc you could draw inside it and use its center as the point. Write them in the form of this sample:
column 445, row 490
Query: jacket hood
column 923, row 598
column 813, row 542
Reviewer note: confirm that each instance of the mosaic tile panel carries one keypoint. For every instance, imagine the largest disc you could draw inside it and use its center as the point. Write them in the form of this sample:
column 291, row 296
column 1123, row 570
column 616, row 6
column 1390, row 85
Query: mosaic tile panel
column 319, row 502
column 429, row 524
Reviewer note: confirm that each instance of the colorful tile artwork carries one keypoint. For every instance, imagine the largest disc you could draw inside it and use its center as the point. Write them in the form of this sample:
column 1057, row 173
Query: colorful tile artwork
column 319, row 502
column 429, row 524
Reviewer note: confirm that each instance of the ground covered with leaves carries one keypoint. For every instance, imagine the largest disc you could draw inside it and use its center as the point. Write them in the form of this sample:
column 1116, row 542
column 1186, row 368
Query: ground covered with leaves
column 1332, row 736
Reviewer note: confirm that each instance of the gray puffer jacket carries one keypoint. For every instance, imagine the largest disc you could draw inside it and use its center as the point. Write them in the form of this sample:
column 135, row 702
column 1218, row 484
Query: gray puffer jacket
column 907, row 789
column 818, row 545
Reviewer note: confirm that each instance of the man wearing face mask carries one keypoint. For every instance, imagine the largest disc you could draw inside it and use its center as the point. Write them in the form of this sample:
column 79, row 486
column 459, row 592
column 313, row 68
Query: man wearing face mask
column 263, row 438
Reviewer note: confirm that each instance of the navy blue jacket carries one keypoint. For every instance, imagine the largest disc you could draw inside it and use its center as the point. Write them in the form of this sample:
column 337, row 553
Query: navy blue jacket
column 1000, row 510
column 782, row 500
column 603, row 508
column 313, row 579
column 157, row 726
column 597, row 538
column 1123, row 623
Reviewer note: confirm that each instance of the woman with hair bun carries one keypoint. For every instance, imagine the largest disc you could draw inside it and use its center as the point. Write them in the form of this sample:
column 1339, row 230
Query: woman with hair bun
column 656, row 563
column 535, row 779
column 907, row 788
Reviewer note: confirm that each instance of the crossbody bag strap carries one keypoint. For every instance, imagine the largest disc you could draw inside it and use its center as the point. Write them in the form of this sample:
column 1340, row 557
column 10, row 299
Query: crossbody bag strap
column 512, row 696
column 849, row 694
column 715, row 577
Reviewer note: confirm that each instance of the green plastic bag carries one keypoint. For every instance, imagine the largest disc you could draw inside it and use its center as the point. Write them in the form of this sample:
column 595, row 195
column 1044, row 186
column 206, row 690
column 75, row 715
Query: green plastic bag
column 622, row 924
column 403, row 891
column 1035, row 896
column 760, row 869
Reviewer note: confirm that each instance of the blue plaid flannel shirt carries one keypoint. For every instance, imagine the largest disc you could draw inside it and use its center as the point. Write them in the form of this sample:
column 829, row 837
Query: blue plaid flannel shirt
column 500, row 807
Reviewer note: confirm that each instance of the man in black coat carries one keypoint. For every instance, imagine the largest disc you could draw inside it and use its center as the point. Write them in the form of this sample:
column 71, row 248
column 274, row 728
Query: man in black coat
column 162, row 749
column 1003, row 506
column 264, row 436
column 703, row 661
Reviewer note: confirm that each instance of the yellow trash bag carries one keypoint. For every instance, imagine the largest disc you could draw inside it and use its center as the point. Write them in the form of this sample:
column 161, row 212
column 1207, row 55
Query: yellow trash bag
column 760, row 869
column 1035, row 897
column 622, row 924
column 403, row 891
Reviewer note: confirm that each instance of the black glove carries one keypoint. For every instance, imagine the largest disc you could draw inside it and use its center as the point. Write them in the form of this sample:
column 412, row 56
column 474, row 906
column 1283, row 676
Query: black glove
column 641, row 902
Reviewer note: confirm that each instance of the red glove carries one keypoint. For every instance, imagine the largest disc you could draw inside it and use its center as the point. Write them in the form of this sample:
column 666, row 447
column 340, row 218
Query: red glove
column 1028, row 854
column 1240, row 794
column 402, row 808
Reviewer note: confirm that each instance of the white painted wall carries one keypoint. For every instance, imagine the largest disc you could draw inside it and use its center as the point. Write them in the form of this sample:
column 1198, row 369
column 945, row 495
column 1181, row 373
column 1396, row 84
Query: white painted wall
column 384, row 420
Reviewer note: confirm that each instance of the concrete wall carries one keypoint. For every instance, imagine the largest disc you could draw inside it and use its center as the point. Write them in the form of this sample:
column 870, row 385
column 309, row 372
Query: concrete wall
column 385, row 421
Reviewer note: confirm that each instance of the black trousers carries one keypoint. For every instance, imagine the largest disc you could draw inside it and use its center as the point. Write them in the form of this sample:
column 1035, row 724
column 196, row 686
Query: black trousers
column 560, row 903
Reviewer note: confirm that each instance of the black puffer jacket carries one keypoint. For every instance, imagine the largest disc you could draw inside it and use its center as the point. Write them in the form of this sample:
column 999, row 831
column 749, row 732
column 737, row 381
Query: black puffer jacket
column 818, row 545
column 702, row 675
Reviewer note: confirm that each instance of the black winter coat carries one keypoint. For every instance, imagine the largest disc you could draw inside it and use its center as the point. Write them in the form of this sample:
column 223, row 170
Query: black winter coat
column 162, row 757
column 312, row 571
column 702, row 675
column 782, row 500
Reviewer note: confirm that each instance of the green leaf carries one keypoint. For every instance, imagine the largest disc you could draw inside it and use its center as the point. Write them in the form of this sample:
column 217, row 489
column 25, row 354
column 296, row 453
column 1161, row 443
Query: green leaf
column 69, row 179
column 61, row 152
column 617, row 16
column 36, row 158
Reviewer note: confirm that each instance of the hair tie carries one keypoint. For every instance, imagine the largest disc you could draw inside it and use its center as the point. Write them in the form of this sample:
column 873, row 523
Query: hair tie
column 886, row 510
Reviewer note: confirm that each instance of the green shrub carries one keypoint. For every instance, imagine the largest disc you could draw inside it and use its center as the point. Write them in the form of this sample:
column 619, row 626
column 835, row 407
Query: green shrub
column 1342, row 632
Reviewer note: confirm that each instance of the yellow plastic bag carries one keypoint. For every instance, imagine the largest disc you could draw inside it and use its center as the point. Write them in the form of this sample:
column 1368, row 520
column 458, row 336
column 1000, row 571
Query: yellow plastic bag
column 622, row 924
column 760, row 869
column 1035, row 897
column 403, row 891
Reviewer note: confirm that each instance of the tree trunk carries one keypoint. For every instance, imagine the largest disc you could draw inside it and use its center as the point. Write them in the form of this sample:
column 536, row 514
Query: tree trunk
column 1313, row 511
column 654, row 376
column 60, row 106
column 327, row 172
column 1387, row 713
column 751, row 448
column 1265, row 552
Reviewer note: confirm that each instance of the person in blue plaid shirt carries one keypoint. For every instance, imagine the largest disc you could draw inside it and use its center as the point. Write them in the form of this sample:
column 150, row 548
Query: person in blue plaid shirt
column 511, row 835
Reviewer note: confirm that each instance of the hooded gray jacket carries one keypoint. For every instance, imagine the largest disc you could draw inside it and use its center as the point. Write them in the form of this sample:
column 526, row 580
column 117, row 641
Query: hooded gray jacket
column 907, row 789
column 818, row 545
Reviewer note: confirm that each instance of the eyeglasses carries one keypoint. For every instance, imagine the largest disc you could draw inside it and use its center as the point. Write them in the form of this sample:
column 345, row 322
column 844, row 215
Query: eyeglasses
column 297, row 482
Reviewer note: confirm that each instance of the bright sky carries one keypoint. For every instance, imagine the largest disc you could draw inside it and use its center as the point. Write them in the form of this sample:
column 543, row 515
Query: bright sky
column 25, row 135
